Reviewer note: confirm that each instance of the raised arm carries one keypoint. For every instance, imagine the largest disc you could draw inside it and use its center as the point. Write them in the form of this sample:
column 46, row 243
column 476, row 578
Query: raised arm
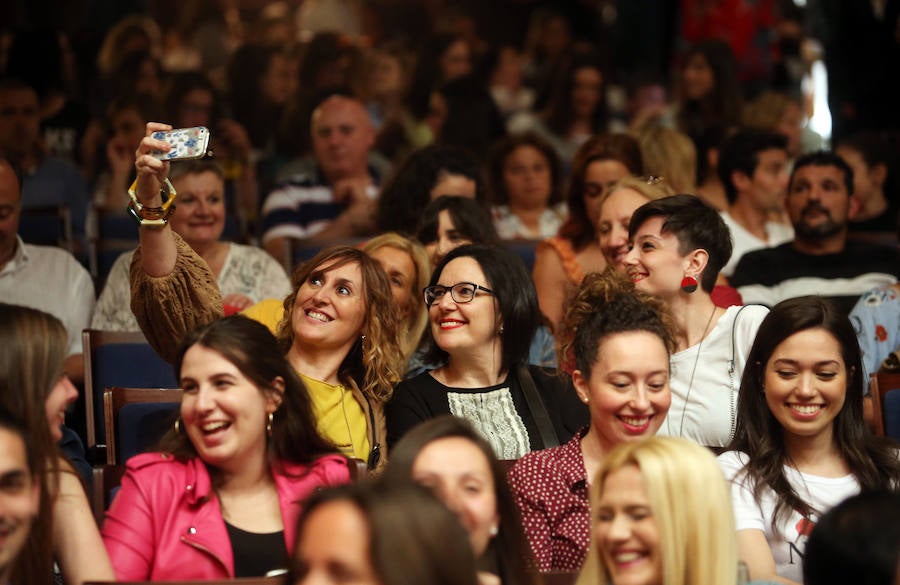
column 172, row 288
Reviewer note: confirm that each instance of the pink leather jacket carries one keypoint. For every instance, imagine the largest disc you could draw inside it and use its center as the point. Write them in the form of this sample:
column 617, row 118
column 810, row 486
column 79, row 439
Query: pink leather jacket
column 165, row 522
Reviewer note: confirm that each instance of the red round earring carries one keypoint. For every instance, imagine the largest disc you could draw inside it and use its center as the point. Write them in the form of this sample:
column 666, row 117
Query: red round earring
column 688, row 284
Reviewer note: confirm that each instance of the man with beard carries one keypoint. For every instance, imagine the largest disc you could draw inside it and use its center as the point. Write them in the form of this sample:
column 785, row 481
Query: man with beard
column 820, row 260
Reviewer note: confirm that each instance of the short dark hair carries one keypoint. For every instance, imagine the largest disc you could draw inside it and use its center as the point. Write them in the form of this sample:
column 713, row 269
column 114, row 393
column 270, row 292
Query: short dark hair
column 823, row 158
column 497, row 161
column 412, row 536
column 515, row 296
column 408, row 190
column 470, row 218
column 696, row 225
column 508, row 547
column 740, row 152
column 857, row 541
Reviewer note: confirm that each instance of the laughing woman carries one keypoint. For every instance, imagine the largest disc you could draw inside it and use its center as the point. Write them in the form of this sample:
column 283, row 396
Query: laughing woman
column 801, row 445
column 222, row 499
column 618, row 341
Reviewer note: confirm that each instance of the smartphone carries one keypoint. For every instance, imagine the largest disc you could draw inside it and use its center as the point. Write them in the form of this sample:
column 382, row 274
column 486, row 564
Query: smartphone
column 187, row 143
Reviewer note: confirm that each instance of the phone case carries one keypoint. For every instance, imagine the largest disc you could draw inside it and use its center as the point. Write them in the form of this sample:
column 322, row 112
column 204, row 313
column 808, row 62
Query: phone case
column 187, row 143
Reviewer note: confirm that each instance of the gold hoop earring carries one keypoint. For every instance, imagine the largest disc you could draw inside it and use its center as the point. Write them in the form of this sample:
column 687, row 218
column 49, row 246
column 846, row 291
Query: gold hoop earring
column 270, row 423
column 178, row 425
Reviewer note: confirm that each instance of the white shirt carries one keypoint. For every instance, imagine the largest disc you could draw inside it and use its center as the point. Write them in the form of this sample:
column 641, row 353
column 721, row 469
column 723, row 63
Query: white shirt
column 510, row 227
column 743, row 241
column 247, row 270
column 52, row 280
column 788, row 540
column 704, row 387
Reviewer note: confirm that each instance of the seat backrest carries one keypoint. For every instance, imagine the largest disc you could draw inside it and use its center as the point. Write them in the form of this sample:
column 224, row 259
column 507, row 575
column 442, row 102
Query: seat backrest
column 47, row 226
column 884, row 389
column 136, row 419
column 115, row 234
column 117, row 359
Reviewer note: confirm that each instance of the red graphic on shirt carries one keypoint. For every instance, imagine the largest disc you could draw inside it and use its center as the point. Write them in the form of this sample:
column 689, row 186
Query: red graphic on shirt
column 881, row 333
column 805, row 526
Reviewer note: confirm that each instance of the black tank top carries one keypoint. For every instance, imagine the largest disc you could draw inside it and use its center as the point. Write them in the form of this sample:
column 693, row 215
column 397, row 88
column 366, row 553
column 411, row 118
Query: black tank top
column 256, row 554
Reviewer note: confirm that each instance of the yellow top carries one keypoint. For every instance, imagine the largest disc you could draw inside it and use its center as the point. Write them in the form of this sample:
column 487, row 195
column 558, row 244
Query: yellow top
column 340, row 417
column 269, row 312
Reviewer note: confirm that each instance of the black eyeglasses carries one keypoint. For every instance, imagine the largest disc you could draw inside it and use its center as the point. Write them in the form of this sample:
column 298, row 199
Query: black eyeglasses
column 461, row 292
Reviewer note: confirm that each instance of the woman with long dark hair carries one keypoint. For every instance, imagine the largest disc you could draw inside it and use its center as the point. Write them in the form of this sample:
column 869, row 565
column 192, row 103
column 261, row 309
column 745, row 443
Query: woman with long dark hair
column 801, row 445
column 243, row 455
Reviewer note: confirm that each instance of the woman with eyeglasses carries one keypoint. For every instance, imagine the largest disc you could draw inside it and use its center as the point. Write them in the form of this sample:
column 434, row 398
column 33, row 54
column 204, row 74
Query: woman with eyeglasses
column 483, row 313
column 560, row 263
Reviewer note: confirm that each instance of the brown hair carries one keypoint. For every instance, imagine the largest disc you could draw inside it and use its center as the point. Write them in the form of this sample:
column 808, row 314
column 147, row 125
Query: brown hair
column 373, row 363
column 620, row 147
column 34, row 349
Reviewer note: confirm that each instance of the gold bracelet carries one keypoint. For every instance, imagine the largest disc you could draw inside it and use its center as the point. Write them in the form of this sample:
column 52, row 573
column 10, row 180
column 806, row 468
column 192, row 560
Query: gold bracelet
column 152, row 216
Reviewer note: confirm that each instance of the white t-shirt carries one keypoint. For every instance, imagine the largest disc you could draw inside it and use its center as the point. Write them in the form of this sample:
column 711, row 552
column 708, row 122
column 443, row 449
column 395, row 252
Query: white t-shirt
column 743, row 241
column 788, row 541
column 704, row 389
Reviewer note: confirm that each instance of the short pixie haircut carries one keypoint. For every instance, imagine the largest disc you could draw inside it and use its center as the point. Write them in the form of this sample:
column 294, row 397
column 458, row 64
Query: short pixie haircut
column 515, row 296
column 697, row 227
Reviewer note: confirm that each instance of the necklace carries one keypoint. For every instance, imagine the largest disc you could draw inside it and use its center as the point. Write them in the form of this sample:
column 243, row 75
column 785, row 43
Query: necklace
column 687, row 397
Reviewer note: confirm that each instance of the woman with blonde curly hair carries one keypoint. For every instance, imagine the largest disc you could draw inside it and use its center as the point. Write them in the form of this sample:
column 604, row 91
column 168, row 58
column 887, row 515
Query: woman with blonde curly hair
column 337, row 327
column 615, row 342
column 661, row 514
column 408, row 267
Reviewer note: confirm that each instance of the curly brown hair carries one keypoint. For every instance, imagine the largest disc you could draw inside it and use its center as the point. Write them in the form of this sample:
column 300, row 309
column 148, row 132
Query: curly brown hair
column 374, row 362
column 604, row 304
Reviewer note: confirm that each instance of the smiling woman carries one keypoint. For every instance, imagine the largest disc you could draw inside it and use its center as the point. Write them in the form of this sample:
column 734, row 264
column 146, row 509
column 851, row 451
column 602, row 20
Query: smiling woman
column 679, row 244
column 243, row 455
column 616, row 343
column 337, row 327
column 661, row 515
column 483, row 314
column 800, row 445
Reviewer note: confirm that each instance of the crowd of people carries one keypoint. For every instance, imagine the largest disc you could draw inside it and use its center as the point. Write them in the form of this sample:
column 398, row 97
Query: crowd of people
column 577, row 319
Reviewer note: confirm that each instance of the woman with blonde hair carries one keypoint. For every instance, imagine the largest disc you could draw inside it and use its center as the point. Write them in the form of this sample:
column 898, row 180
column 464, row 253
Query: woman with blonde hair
column 408, row 269
column 670, row 154
column 661, row 514
column 616, row 207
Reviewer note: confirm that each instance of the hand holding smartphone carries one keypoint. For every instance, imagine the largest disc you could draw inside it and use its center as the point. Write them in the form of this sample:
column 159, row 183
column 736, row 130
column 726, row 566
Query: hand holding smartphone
column 186, row 143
